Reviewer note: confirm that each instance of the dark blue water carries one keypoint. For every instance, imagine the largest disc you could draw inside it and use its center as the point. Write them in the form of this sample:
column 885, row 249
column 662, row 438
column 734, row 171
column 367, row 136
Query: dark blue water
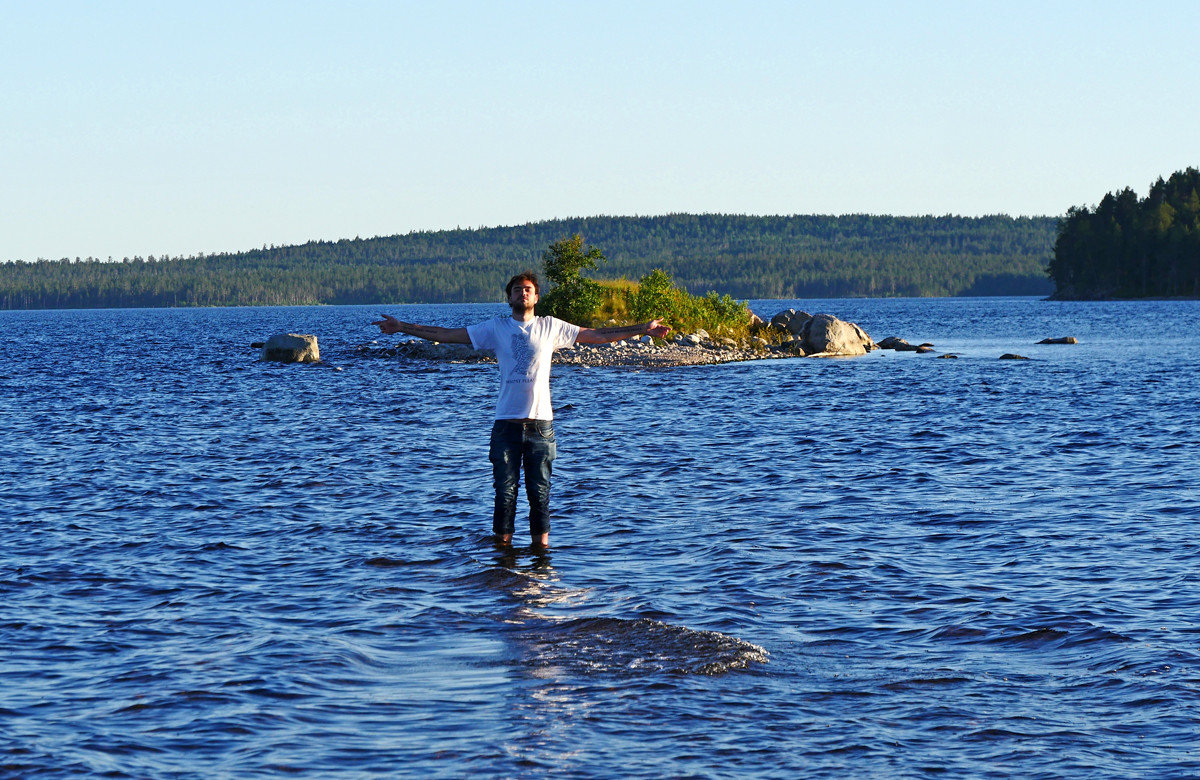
column 887, row 566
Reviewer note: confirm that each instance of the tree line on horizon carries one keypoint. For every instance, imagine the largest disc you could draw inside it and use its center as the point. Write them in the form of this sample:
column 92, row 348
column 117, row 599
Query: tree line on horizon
column 1128, row 247
column 743, row 256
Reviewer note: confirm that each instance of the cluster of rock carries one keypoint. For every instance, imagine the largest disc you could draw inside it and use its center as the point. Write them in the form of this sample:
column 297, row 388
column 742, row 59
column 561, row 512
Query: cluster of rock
column 900, row 345
column 791, row 334
column 418, row 349
column 693, row 349
column 822, row 334
column 806, row 335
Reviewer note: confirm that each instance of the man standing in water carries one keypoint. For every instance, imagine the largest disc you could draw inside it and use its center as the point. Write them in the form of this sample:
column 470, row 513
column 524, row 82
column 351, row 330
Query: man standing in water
column 523, row 433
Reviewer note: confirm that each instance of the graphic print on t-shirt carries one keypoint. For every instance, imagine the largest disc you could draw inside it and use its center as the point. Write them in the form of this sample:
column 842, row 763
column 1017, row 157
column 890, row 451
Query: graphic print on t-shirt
column 522, row 352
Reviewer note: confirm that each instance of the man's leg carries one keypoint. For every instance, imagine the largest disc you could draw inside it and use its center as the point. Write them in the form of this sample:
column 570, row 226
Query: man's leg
column 504, row 451
column 539, row 453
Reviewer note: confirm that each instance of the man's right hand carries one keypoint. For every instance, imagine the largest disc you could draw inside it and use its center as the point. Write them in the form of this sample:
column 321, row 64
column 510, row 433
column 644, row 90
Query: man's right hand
column 388, row 325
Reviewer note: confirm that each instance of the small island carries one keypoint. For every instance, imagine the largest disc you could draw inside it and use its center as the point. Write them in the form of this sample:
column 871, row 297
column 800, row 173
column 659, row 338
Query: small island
column 707, row 329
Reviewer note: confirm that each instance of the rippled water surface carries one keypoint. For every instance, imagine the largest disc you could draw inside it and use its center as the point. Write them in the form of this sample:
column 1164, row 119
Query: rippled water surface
column 891, row 565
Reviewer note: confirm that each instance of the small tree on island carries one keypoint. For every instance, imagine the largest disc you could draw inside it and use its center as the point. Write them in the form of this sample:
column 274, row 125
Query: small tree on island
column 572, row 297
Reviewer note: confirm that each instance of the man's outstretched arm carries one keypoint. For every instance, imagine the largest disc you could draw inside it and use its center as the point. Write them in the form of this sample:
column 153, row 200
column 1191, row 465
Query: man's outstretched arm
column 389, row 325
column 605, row 335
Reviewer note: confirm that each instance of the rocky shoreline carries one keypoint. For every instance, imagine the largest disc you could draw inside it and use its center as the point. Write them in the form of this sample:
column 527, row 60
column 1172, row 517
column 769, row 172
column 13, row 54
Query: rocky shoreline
column 791, row 334
column 618, row 354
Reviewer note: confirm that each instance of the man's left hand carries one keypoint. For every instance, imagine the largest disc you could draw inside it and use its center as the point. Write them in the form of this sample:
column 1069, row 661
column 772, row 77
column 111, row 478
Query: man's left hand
column 656, row 329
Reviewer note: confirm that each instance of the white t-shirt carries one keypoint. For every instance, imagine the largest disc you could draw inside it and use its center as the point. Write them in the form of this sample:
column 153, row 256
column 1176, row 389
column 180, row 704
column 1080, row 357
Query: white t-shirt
column 523, row 350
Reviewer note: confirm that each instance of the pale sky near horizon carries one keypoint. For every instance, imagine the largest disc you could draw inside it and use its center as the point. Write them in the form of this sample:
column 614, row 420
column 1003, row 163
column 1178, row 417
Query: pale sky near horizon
column 169, row 128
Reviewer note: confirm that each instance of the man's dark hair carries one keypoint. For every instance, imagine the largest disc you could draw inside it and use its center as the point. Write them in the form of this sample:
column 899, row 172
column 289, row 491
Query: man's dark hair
column 524, row 276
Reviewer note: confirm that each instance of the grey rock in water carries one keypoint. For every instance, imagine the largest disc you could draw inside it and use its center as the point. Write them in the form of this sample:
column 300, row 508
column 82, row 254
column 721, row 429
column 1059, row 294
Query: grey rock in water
column 791, row 321
column 826, row 334
column 948, row 356
column 900, row 345
column 780, row 320
column 1062, row 340
column 291, row 348
column 797, row 323
column 1011, row 356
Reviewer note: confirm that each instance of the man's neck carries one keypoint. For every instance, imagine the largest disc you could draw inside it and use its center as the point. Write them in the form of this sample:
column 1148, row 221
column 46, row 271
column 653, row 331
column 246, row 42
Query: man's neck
column 523, row 315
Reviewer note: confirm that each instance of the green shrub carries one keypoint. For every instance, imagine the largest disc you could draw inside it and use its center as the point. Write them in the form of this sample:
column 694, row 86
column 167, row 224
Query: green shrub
column 657, row 297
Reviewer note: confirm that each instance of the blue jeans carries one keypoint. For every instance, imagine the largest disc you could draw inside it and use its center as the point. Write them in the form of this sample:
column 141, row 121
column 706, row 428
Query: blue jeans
column 513, row 445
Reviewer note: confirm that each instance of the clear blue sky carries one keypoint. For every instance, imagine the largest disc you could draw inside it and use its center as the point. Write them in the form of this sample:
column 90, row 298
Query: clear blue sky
column 139, row 128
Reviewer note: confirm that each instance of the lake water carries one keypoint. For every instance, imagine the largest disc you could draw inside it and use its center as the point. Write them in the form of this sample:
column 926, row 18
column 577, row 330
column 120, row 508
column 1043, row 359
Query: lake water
column 885, row 566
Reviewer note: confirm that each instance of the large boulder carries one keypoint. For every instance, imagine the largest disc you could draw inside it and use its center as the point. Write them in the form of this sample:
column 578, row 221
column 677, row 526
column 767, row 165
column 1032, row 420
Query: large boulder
column 791, row 321
column 826, row 334
column 291, row 348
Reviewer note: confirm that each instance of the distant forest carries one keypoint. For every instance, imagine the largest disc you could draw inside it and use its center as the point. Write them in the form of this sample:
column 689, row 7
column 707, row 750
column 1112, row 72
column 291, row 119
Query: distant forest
column 743, row 256
column 1130, row 248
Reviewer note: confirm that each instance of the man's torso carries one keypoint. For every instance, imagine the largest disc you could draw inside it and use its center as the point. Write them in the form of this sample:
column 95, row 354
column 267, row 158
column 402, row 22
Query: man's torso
column 524, row 351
